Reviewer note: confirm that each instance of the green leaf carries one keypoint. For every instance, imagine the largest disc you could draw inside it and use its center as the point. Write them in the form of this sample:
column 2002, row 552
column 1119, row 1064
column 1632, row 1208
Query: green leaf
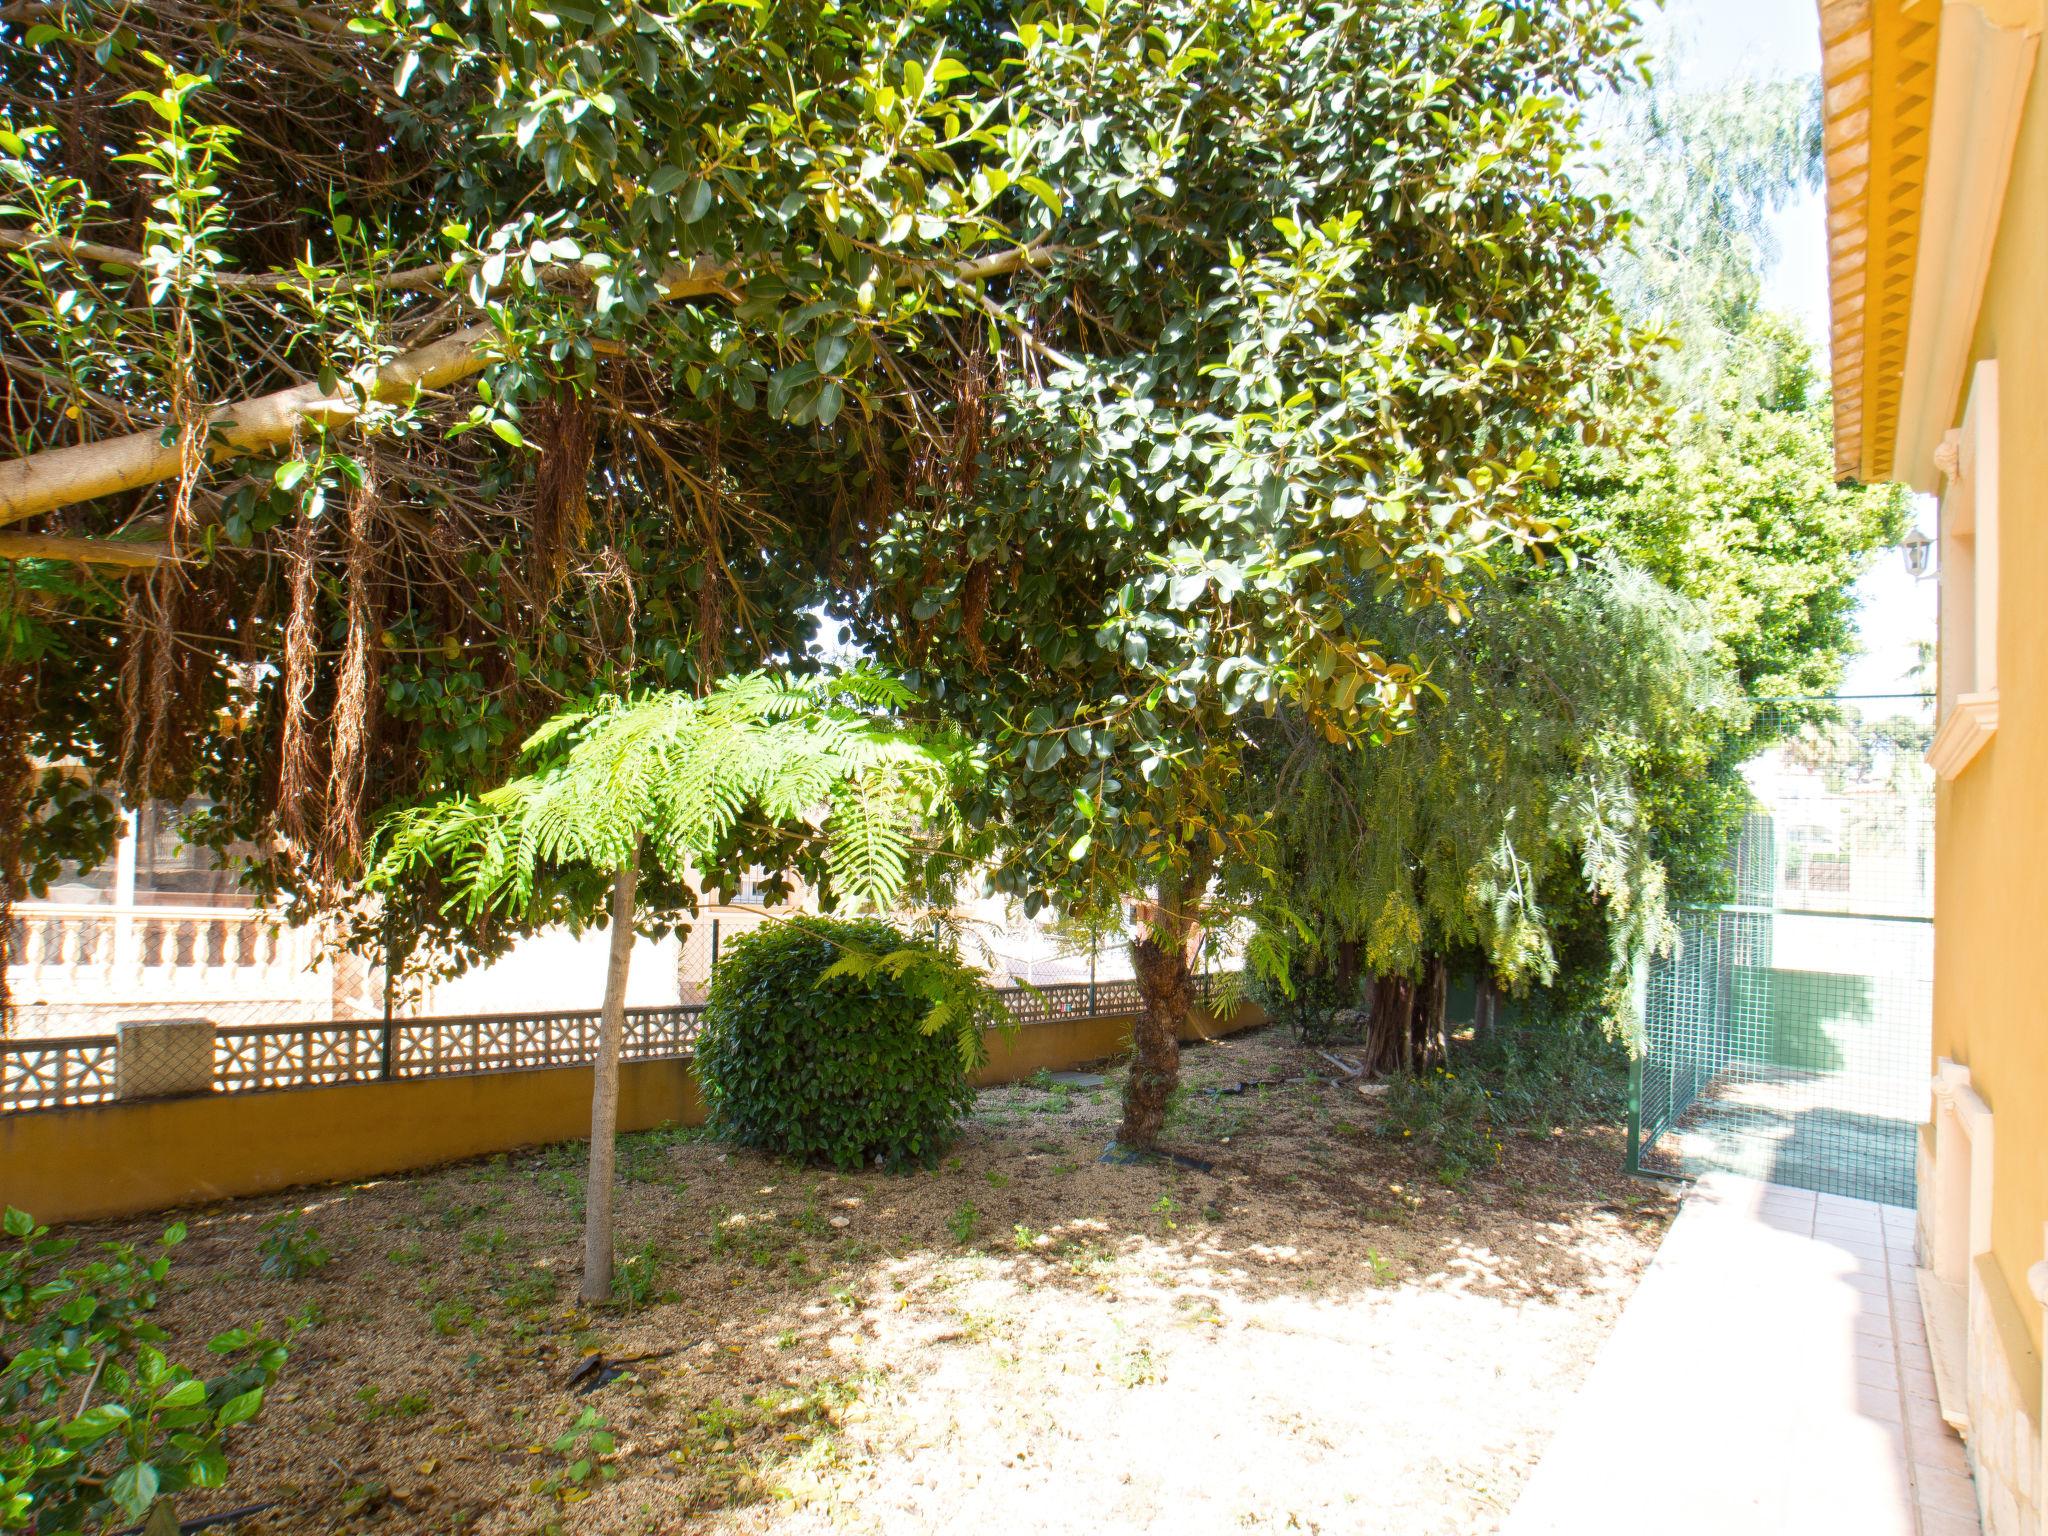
column 1041, row 189
column 184, row 1394
column 241, row 1408
column 134, row 1488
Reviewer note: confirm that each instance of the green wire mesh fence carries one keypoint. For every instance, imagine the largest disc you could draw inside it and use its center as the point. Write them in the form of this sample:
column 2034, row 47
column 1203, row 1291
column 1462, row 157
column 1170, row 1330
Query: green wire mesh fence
column 1786, row 1036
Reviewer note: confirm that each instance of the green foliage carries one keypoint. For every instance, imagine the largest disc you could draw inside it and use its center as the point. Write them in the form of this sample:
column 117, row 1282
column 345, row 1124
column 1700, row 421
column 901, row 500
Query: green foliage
column 681, row 776
column 587, row 1448
column 1447, row 1116
column 842, row 1043
column 964, row 1223
column 1303, row 998
column 1721, row 484
column 638, row 1279
column 640, row 491
column 1321, row 292
column 98, row 1426
column 1520, row 785
column 1551, row 1071
column 291, row 1247
column 1579, row 766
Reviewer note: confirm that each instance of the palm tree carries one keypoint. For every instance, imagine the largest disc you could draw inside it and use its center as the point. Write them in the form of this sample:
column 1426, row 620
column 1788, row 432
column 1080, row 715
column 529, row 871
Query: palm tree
column 668, row 777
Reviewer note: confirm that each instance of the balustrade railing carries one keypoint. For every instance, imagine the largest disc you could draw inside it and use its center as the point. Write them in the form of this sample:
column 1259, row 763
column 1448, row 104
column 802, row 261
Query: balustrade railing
column 82, row 1069
column 68, row 952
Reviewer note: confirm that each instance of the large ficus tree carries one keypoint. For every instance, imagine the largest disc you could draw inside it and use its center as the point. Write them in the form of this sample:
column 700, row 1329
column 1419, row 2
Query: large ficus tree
column 1316, row 293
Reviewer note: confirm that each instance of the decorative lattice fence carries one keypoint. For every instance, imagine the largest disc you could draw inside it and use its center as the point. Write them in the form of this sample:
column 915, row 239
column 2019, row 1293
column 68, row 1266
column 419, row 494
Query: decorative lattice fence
column 246, row 1058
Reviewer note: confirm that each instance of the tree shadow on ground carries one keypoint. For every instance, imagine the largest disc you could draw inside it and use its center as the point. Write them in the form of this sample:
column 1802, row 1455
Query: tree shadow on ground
column 797, row 1316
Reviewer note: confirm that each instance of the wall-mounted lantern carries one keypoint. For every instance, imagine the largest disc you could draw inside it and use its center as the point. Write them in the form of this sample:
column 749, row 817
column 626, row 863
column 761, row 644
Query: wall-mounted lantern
column 1917, row 548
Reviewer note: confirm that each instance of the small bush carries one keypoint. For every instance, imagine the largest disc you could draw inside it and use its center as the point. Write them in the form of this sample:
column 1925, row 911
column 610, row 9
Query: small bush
column 1449, row 1116
column 1309, row 1012
column 842, row 1043
column 98, row 1428
column 1551, row 1072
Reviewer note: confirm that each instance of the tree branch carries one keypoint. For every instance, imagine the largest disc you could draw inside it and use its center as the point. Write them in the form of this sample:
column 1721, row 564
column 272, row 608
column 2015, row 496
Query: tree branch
column 56, row 546
column 407, row 279
column 61, row 477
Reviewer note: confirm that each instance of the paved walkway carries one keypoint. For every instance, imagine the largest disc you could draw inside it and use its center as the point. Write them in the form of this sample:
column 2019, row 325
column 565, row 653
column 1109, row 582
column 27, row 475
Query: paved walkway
column 1769, row 1375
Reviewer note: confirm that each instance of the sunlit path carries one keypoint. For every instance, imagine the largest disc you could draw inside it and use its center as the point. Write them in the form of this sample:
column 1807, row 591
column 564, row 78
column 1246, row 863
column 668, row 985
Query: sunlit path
column 1770, row 1374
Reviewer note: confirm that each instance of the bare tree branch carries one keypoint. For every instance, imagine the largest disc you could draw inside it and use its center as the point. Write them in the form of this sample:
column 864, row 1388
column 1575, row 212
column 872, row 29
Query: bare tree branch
column 55, row 546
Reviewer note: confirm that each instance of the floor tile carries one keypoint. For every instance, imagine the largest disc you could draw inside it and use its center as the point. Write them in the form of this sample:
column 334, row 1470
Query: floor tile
column 1806, row 1388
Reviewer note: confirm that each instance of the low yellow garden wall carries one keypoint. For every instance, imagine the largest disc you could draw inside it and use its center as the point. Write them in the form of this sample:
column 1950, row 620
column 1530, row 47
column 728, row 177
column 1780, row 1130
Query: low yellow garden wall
column 122, row 1159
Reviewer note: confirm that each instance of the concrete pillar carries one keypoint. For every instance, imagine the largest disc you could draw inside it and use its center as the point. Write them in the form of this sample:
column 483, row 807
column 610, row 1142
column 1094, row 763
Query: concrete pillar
column 162, row 1058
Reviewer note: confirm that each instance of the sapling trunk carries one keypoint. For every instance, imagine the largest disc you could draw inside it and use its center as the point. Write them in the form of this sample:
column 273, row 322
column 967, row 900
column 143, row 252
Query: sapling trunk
column 604, row 1093
column 1164, row 961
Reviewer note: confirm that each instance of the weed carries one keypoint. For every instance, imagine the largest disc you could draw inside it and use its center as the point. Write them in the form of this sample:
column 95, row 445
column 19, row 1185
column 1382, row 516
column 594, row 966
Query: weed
column 963, row 1223
column 997, row 1180
column 312, row 1315
column 491, row 1243
column 1136, row 1367
column 407, row 1405
column 645, row 1159
column 587, row 1447
column 449, row 1318
column 407, row 1255
column 1383, row 1271
column 292, row 1249
column 1023, row 1237
column 810, row 1220
column 528, row 1289
column 637, row 1280
column 1164, row 1208
column 786, row 1339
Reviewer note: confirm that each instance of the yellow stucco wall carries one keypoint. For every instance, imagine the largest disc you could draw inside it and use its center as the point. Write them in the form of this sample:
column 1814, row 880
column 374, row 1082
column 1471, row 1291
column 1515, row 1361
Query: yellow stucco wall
column 124, row 1159
column 1991, row 850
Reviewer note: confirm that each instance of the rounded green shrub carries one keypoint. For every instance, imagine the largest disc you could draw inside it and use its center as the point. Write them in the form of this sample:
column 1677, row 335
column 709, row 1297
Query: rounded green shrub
column 840, row 1042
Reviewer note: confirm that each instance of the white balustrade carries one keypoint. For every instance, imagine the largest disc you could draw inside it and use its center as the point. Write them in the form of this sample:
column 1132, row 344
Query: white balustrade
column 93, row 955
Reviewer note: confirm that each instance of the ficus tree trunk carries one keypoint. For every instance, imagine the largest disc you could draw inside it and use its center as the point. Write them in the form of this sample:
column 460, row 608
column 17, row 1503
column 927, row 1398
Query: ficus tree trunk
column 1163, row 958
column 1407, row 1031
column 604, row 1093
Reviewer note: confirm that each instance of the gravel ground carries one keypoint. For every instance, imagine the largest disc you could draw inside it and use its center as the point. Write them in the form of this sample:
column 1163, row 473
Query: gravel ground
column 1315, row 1336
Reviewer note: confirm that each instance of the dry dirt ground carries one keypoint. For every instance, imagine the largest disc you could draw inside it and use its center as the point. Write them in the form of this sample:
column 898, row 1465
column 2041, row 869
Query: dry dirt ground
column 1316, row 1336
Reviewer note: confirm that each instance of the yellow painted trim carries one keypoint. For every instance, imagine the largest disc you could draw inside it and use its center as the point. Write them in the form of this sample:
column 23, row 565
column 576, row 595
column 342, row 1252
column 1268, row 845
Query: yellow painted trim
column 1970, row 725
column 1877, row 69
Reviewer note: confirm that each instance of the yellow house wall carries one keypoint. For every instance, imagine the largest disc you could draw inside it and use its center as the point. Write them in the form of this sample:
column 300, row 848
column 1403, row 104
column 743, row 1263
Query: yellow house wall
column 123, row 1159
column 1991, row 850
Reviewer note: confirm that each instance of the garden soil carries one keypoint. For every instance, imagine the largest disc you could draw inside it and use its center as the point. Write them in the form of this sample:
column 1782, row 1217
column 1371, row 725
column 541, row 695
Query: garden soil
column 1319, row 1334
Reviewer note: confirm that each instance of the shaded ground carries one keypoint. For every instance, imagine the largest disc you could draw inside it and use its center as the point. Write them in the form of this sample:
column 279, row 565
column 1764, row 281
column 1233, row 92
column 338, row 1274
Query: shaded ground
column 1834, row 1132
column 1317, row 1336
